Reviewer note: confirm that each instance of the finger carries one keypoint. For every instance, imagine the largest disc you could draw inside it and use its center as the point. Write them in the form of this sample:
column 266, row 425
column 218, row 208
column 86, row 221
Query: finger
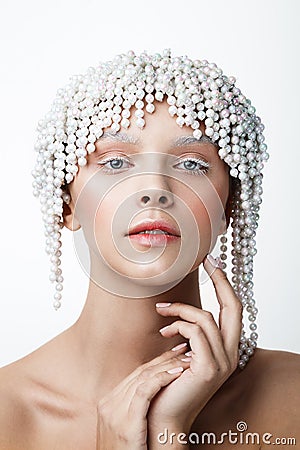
column 144, row 392
column 151, row 375
column 158, row 361
column 230, row 318
column 134, row 400
column 201, row 350
column 202, row 318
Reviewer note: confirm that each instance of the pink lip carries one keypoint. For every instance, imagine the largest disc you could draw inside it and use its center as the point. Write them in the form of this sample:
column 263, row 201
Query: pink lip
column 154, row 225
column 154, row 240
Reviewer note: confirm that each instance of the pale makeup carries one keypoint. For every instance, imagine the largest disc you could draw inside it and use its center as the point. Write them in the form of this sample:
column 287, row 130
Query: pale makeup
column 107, row 199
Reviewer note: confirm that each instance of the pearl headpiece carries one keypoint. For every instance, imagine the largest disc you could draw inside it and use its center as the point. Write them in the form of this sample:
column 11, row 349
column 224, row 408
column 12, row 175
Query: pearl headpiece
column 196, row 91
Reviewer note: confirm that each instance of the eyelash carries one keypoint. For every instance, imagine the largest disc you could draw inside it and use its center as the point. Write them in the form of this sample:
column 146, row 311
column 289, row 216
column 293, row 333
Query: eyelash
column 106, row 161
column 204, row 164
column 203, row 170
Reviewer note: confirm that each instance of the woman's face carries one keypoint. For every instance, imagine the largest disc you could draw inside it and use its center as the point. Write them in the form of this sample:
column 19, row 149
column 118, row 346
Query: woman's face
column 150, row 202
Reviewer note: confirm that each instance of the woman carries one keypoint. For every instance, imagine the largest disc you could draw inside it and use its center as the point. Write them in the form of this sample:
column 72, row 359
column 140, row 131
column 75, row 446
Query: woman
column 144, row 366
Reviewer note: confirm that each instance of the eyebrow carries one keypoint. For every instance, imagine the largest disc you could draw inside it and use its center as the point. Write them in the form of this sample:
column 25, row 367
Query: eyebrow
column 186, row 140
column 128, row 139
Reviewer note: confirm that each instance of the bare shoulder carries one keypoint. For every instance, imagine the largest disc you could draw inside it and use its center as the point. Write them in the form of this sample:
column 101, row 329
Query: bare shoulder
column 278, row 370
column 14, row 412
column 37, row 411
column 275, row 392
column 277, row 375
column 27, row 399
column 278, row 357
column 264, row 396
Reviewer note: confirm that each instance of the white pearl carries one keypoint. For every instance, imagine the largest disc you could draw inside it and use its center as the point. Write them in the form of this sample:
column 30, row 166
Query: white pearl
column 82, row 161
column 172, row 110
column 125, row 123
column 209, row 122
column 180, row 121
column 125, row 113
column 139, row 113
column 209, row 132
column 159, row 96
column 150, row 108
column 140, row 122
column 222, row 153
column 90, row 148
column 115, row 127
column 197, row 134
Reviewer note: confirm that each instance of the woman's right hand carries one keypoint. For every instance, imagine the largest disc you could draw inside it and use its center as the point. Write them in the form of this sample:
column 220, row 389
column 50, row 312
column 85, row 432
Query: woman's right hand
column 122, row 414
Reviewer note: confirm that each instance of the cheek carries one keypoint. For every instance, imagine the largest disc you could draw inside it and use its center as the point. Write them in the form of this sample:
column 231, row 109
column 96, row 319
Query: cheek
column 112, row 219
column 206, row 203
column 97, row 200
column 208, row 222
column 105, row 220
column 203, row 220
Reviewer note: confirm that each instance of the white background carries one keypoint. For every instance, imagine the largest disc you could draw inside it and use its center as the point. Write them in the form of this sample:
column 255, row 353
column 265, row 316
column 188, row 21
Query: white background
column 44, row 42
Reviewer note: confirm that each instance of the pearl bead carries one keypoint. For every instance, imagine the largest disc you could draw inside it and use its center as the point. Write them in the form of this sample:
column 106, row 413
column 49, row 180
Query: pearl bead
column 150, row 108
column 197, row 134
column 140, row 122
column 242, row 364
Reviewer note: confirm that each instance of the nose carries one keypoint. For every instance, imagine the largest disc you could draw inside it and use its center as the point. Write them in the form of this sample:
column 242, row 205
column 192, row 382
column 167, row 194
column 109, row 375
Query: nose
column 155, row 197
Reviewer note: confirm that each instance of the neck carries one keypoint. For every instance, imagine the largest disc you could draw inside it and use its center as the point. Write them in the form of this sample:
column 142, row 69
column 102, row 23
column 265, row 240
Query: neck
column 115, row 334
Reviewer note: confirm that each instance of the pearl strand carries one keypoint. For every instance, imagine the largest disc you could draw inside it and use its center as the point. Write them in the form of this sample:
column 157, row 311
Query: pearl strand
column 196, row 92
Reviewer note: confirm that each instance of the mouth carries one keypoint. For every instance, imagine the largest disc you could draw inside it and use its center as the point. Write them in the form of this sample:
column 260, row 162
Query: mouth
column 155, row 233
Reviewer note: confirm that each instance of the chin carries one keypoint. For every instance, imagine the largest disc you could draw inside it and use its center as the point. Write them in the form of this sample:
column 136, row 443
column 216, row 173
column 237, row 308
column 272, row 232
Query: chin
column 154, row 274
column 160, row 284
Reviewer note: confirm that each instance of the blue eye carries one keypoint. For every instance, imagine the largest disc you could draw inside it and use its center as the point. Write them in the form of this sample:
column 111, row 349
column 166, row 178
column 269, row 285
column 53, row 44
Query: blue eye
column 114, row 164
column 190, row 165
column 194, row 166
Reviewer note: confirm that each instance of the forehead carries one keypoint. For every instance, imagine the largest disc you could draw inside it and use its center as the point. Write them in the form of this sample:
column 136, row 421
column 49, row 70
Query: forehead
column 160, row 128
column 129, row 137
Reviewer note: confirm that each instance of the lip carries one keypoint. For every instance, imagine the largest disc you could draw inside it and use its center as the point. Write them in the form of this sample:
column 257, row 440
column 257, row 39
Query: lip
column 153, row 240
column 162, row 225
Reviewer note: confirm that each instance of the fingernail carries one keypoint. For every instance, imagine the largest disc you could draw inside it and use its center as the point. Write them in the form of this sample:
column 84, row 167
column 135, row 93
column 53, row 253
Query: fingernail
column 163, row 305
column 211, row 259
column 179, row 346
column 186, row 359
column 219, row 262
column 216, row 262
column 175, row 370
column 188, row 353
column 164, row 328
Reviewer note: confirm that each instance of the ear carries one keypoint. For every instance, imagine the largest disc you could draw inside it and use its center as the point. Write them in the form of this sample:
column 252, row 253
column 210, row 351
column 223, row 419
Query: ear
column 69, row 219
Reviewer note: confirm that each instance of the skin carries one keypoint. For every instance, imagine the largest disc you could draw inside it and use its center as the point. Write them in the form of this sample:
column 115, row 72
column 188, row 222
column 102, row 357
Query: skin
column 104, row 382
